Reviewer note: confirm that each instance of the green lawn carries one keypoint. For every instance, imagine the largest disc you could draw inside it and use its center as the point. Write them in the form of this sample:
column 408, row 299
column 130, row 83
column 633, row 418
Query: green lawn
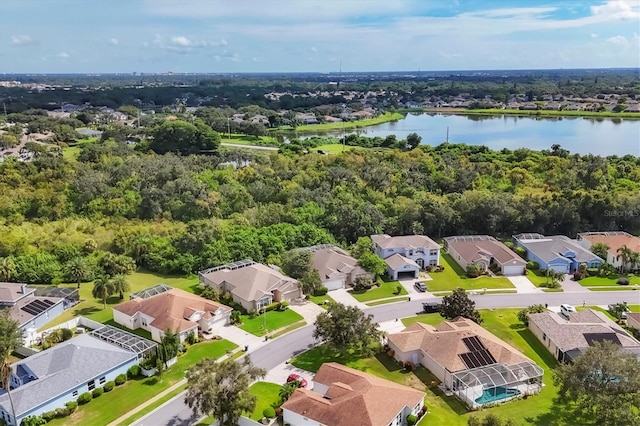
column 538, row 410
column 266, row 394
column 384, row 118
column 240, row 139
column 536, row 277
column 320, row 300
column 634, row 308
column 611, row 280
column 453, row 277
column 93, row 308
column 387, row 289
column 274, row 321
column 335, row 148
column 127, row 397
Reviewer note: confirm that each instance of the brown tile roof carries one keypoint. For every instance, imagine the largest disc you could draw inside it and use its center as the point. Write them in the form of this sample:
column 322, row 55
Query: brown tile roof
column 614, row 240
column 567, row 335
column 477, row 247
column 252, row 281
column 405, row 241
column 172, row 309
column 444, row 343
column 353, row 398
column 332, row 262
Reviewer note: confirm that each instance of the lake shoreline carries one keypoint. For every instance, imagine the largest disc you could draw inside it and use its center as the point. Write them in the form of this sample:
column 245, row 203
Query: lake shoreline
column 534, row 114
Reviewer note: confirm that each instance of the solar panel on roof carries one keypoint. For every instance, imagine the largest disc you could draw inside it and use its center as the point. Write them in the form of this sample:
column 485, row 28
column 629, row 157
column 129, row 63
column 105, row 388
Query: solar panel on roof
column 37, row 306
column 478, row 355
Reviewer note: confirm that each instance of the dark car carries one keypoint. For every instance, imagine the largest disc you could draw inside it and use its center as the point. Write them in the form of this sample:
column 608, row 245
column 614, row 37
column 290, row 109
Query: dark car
column 420, row 286
column 297, row 378
column 430, row 307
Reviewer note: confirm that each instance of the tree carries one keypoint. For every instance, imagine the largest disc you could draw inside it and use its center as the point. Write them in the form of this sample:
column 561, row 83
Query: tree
column 169, row 346
column 310, row 282
column 413, row 140
column 371, row 262
column 489, row 420
column 523, row 315
column 618, row 310
column 553, row 278
column 184, row 138
column 458, row 304
column 602, row 386
column 120, row 284
column 473, row 270
column 624, row 255
column 600, row 250
column 77, row 270
column 296, row 263
column 10, row 338
column 361, row 246
column 114, row 264
column 221, row 389
column 103, row 288
column 347, row 327
column 7, row 269
column 288, row 389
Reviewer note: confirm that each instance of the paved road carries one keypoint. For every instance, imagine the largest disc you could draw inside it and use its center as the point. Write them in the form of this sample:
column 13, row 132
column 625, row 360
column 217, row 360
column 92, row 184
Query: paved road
column 237, row 145
column 176, row 413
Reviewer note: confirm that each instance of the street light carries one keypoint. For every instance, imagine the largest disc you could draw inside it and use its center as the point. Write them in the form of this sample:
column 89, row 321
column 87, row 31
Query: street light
column 229, row 127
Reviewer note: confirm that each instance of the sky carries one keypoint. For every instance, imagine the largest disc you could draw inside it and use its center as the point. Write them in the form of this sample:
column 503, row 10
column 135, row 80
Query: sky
column 233, row 36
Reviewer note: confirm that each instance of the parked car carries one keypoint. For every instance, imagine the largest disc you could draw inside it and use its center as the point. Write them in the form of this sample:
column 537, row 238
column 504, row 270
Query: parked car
column 420, row 286
column 297, row 378
column 430, row 307
column 566, row 310
column 612, row 306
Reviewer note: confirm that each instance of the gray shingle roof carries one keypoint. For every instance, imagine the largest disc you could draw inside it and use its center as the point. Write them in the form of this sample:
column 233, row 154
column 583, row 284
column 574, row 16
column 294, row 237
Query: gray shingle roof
column 63, row 368
column 404, row 241
column 549, row 248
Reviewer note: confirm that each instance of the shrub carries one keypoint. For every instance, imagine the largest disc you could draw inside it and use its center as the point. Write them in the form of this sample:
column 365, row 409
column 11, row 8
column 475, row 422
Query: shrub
column 97, row 392
column 33, row 421
column 108, row 387
column 521, row 252
column 282, row 306
column 121, row 379
column 398, row 289
column 253, row 313
column 269, row 412
column 623, row 280
column 133, row 371
column 534, row 266
column 192, row 339
column 49, row 415
column 66, row 334
column 84, row 398
column 320, row 291
column 362, row 283
column 412, row 419
column 592, row 272
column 235, row 317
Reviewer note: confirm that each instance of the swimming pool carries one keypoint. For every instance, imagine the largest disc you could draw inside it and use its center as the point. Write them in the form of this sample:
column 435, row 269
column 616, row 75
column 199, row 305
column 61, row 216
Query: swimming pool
column 496, row 394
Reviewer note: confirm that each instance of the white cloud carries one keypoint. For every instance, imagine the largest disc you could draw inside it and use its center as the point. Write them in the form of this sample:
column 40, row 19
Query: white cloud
column 515, row 12
column 314, row 49
column 21, row 40
column 114, row 41
column 594, row 35
column 63, row 55
column 618, row 10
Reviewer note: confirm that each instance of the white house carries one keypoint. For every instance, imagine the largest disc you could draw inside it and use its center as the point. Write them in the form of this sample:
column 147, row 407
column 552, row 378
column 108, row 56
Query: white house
column 614, row 240
column 49, row 379
column 345, row 396
column 417, row 251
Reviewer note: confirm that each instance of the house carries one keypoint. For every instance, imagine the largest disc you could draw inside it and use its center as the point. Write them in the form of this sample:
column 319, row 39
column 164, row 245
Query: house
column 557, row 252
column 251, row 284
column 633, row 320
column 615, row 240
column 336, row 267
column 568, row 338
column 28, row 310
column 414, row 252
column 175, row 310
column 470, row 362
column 345, row 396
column 484, row 251
column 49, row 379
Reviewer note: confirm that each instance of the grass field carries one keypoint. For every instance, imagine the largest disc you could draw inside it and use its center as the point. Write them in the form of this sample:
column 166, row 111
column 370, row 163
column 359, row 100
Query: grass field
column 443, row 410
column 240, row 139
column 274, row 321
column 127, row 397
column 335, row 148
column 611, row 280
column 536, row 277
column 387, row 289
column 453, row 277
column 266, row 394
column 384, row 118
column 93, row 308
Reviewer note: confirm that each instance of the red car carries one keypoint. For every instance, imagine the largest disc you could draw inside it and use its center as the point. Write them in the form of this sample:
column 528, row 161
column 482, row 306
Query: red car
column 297, row 378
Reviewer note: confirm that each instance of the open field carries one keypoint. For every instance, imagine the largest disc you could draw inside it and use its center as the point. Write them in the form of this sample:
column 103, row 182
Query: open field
column 536, row 113
column 387, row 289
column 453, row 277
column 384, row 118
column 538, row 410
column 273, row 319
column 127, row 397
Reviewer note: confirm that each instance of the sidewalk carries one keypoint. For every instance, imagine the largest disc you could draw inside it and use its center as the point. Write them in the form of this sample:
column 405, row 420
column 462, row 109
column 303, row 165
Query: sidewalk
column 524, row 285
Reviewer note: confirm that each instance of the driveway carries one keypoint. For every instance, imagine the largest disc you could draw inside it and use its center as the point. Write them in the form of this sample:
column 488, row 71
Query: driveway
column 280, row 372
column 341, row 295
column 524, row 285
column 307, row 309
column 240, row 337
column 569, row 285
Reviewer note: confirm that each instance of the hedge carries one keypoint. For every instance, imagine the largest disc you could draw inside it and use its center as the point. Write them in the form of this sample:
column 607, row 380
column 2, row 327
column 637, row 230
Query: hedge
column 84, row 398
column 108, row 387
column 121, row 379
column 97, row 392
column 133, row 371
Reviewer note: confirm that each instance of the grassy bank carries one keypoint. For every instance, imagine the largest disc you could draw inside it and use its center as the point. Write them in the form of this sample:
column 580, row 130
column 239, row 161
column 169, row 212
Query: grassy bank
column 536, row 113
column 325, row 127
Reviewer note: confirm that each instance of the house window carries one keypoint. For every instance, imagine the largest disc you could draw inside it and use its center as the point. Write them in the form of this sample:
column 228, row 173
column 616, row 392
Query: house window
column 433, row 252
column 103, row 379
column 433, row 262
column 75, row 393
column 91, row 385
column 544, row 336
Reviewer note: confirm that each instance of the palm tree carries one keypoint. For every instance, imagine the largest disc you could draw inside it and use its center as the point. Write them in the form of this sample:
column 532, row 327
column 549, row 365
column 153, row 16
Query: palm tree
column 600, row 250
column 10, row 338
column 635, row 260
column 102, row 288
column 7, row 269
column 77, row 270
column 121, row 284
column 624, row 255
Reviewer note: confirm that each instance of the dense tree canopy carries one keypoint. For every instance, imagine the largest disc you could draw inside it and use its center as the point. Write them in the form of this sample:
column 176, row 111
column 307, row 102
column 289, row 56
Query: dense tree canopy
column 184, row 138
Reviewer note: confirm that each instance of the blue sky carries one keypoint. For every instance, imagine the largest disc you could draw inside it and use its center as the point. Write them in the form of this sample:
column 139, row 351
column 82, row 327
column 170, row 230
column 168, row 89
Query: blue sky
column 100, row 36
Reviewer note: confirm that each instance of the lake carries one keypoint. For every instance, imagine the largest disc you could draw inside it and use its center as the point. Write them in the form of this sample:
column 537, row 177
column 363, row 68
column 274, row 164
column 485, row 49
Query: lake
column 583, row 135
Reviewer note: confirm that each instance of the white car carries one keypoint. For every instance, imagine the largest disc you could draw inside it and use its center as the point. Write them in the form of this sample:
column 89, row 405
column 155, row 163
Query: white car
column 566, row 310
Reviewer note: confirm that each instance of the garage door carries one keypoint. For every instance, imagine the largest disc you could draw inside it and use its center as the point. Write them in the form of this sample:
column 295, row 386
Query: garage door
column 407, row 275
column 513, row 270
